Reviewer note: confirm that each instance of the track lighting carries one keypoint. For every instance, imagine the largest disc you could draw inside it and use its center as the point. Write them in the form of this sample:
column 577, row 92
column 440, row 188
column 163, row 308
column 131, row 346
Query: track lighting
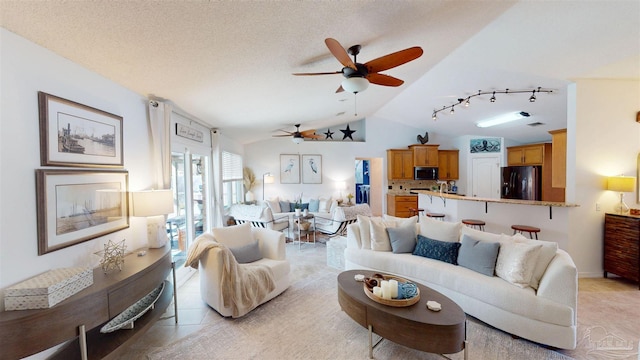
column 467, row 101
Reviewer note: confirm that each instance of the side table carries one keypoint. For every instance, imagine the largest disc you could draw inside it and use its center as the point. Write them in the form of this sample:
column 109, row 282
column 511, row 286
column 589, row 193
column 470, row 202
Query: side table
column 311, row 230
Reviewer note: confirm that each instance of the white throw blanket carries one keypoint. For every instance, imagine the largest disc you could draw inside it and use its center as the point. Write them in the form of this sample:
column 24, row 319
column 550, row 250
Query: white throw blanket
column 243, row 286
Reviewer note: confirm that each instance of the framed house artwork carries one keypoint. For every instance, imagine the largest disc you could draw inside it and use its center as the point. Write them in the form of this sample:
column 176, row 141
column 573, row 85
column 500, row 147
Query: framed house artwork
column 74, row 206
column 72, row 134
column 311, row 169
column 289, row 169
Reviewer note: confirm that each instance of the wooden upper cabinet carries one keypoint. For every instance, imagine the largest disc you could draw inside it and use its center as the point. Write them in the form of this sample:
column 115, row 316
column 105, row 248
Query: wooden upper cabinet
column 399, row 164
column 559, row 155
column 526, row 155
column 425, row 155
column 448, row 164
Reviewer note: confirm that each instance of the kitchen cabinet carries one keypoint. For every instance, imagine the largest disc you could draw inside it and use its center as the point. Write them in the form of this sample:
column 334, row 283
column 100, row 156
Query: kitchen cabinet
column 448, row 164
column 621, row 246
column 425, row 155
column 559, row 156
column 399, row 205
column 399, row 164
column 524, row 155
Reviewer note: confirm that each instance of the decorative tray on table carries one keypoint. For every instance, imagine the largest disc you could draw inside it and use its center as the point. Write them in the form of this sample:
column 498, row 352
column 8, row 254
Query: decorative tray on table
column 412, row 289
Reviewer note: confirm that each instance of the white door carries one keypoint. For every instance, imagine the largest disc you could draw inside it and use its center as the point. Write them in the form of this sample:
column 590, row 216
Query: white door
column 485, row 177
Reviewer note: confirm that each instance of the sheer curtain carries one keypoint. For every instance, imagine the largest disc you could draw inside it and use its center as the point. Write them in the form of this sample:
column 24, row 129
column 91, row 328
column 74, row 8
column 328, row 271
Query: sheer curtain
column 216, row 159
column 160, row 124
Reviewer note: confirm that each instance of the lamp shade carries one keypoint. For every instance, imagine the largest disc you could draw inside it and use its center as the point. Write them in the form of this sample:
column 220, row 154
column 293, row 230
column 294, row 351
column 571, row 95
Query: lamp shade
column 355, row 84
column 151, row 202
column 621, row 183
column 269, row 179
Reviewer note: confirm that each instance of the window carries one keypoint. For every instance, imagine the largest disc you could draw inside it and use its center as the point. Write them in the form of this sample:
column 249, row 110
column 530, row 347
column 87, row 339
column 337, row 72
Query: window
column 232, row 190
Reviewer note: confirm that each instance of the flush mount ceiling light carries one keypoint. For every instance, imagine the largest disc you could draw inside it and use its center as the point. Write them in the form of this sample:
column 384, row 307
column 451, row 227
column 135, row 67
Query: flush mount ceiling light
column 503, row 119
column 466, row 101
column 355, row 84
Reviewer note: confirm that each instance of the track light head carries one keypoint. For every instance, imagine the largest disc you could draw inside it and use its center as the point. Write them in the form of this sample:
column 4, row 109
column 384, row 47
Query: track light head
column 467, row 103
column 493, row 97
column 533, row 96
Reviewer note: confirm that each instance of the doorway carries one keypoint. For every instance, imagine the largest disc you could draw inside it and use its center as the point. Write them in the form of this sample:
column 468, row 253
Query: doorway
column 369, row 183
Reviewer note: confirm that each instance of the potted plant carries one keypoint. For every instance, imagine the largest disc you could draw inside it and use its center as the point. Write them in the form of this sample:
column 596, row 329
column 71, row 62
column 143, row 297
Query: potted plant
column 350, row 196
column 249, row 181
column 297, row 206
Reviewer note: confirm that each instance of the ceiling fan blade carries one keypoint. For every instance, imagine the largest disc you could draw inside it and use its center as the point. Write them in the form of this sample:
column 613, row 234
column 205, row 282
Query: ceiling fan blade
column 394, row 59
column 313, row 136
column 385, row 80
column 308, row 132
column 339, row 52
column 282, row 135
column 318, row 73
column 340, row 89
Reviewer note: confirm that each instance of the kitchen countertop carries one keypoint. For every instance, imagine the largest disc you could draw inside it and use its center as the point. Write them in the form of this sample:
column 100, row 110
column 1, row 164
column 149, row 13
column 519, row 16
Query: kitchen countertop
column 502, row 201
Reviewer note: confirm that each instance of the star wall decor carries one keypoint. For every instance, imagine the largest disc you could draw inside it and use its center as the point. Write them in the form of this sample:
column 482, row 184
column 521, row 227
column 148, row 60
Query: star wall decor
column 347, row 133
column 329, row 134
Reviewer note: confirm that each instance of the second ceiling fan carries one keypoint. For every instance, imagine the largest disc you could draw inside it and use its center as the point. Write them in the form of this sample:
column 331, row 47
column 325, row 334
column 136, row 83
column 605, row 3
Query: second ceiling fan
column 358, row 76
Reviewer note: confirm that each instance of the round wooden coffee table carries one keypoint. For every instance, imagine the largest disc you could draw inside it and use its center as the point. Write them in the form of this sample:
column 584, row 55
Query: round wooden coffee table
column 415, row 326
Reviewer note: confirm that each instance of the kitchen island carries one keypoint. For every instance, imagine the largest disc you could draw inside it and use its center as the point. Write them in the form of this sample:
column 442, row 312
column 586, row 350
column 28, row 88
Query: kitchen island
column 499, row 214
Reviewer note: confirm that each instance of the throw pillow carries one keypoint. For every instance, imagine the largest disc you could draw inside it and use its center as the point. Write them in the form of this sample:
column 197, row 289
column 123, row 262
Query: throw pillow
column 403, row 238
column 516, row 262
column 547, row 253
column 285, row 206
column 247, row 254
column 440, row 230
column 446, row 251
column 379, row 237
column 401, row 221
column 234, row 236
column 324, row 204
column 364, row 224
column 274, row 205
column 479, row 256
column 479, row 235
column 314, row 205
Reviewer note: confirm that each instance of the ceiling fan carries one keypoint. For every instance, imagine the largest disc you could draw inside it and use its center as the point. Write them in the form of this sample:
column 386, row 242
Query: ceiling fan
column 299, row 136
column 358, row 76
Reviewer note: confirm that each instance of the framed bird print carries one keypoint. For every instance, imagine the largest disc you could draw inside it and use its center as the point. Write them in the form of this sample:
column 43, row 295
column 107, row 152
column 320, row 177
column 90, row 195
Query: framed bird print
column 289, row 169
column 311, row 169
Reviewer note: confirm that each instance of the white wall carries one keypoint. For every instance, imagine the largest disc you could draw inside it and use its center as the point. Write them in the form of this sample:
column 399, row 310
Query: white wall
column 607, row 142
column 27, row 68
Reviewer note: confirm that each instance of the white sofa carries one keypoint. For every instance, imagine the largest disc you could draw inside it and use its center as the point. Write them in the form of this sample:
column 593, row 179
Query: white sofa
column 543, row 310
column 272, row 249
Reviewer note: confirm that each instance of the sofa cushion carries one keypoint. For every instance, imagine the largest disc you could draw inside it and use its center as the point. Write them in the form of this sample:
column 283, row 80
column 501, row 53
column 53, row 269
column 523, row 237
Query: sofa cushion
column 402, row 238
column 401, row 221
column 439, row 230
column 480, row 235
column 234, row 236
column 478, row 255
column 314, row 205
column 446, row 251
column 274, row 205
column 324, row 205
column 285, row 206
column 379, row 237
column 364, row 224
column 516, row 262
column 247, row 253
column 547, row 253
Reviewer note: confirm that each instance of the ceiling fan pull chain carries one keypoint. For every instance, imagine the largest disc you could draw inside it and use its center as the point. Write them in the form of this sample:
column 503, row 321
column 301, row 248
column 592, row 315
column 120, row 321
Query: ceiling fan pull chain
column 355, row 104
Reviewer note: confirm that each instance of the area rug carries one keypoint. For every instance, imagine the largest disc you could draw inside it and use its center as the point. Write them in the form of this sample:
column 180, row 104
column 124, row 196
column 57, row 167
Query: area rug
column 306, row 322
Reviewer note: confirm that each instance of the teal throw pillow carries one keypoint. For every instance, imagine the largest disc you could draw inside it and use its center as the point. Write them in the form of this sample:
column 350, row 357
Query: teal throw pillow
column 403, row 239
column 479, row 256
column 247, row 254
column 438, row 250
column 286, row 206
column 314, row 205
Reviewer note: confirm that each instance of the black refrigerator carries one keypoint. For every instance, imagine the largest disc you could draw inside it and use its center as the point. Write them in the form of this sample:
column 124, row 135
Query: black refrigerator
column 521, row 182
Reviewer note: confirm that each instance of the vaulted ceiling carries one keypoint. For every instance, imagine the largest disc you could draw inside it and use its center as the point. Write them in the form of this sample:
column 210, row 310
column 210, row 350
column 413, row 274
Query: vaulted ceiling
column 230, row 63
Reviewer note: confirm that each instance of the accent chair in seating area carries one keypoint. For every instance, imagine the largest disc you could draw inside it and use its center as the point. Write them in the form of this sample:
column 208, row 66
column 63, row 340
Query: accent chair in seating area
column 254, row 271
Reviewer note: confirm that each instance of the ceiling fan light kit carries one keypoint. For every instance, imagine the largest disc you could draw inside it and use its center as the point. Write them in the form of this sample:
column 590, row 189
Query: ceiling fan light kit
column 466, row 101
column 355, row 84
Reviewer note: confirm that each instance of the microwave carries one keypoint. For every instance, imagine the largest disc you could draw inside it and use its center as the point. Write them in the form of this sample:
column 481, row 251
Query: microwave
column 425, row 173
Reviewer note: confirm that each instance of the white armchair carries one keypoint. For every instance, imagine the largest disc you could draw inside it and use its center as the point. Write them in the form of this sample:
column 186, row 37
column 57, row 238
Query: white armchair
column 272, row 249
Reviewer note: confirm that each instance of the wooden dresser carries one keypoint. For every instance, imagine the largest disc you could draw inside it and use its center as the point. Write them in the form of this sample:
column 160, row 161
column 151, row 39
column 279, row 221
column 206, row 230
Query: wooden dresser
column 621, row 245
column 26, row 332
column 399, row 205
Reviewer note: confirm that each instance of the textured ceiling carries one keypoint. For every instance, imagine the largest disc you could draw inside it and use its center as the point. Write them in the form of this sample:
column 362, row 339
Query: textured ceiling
column 229, row 63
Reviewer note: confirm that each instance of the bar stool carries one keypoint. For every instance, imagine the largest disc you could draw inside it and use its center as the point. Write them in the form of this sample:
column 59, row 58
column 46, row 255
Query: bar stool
column 526, row 228
column 436, row 216
column 474, row 224
column 414, row 211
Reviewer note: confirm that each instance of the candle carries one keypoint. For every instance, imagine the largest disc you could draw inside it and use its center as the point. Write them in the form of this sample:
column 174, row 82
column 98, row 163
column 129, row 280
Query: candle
column 393, row 286
column 377, row 291
column 386, row 290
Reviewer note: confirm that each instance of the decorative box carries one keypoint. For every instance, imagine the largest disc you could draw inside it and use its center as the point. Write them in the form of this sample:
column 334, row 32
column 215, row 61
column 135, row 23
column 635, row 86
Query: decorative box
column 47, row 289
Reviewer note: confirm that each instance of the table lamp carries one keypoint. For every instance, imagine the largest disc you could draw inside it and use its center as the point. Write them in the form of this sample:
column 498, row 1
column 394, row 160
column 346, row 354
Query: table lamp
column 622, row 184
column 267, row 178
column 154, row 205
